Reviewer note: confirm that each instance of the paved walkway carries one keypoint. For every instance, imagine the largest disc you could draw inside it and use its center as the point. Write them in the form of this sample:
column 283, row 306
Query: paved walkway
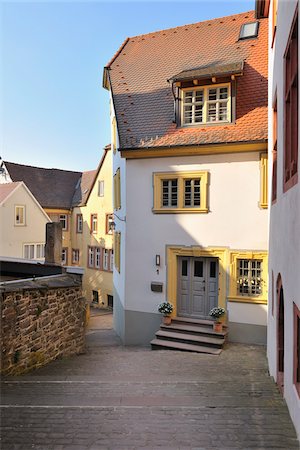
column 114, row 398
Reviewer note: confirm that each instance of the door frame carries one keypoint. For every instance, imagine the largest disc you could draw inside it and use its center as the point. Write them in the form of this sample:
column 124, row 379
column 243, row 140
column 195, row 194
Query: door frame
column 206, row 270
column 172, row 252
column 280, row 334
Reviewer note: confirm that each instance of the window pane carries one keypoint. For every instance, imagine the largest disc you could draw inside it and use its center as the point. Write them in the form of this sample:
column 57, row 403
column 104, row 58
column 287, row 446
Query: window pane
column 223, row 93
column 199, row 96
column 184, row 267
column 222, row 111
column 188, row 97
column 213, row 267
column 212, row 94
column 198, row 268
column 212, row 112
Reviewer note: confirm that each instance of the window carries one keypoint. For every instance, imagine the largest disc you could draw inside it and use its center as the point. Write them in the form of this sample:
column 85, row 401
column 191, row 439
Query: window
column 180, row 192
column 297, row 348
column 109, row 223
column 75, row 256
column 249, row 30
column 34, row 251
column 117, row 190
column 291, row 109
column 248, row 277
column 95, row 255
column 105, row 259
column 274, row 19
column 117, row 250
column 209, row 104
column 29, row 251
column 91, row 258
column 97, row 251
column 79, row 223
column 40, row 251
column 111, row 260
column 64, row 256
column 101, row 188
column 263, row 181
column 94, row 223
column 114, row 135
column 63, row 218
column 95, row 295
column 20, row 215
column 274, row 163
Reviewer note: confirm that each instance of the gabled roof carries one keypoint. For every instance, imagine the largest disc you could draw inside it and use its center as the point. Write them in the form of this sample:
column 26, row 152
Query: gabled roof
column 53, row 188
column 6, row 189
column 142, row 96
column 83, row 188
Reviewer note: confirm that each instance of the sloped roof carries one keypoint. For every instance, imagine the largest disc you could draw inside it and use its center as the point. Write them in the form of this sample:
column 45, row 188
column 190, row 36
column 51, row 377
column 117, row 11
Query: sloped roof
column 83, row 188
column 234, row 68
column 53, row 188
column 6, row 189
column 142, row 96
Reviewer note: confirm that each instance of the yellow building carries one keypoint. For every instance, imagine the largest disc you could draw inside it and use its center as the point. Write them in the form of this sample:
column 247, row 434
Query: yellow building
column 91, row 233
column 82, row 202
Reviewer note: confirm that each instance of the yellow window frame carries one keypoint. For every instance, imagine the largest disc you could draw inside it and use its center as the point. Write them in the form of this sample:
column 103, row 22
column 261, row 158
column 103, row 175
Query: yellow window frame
column 263, row 203
column 159, row 177
column 234, row 256
column 117, row 250
column 117, row 190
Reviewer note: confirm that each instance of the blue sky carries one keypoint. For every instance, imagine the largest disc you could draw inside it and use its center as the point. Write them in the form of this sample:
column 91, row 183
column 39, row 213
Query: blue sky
column 55, row 112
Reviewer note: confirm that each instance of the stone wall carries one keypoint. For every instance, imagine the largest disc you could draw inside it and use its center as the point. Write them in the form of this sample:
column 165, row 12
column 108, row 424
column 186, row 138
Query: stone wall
column 41, row 320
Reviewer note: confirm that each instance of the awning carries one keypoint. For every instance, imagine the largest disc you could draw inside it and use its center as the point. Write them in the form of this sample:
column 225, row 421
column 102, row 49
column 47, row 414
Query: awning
column 213, row 70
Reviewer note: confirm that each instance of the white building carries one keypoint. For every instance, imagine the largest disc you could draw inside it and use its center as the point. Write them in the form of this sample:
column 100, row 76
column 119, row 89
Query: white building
column 284, row 245
column 189, row 134
column 23, row 223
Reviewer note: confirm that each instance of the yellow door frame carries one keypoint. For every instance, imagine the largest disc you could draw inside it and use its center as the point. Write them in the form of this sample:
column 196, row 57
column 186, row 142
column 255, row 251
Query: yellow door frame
column 212, row 252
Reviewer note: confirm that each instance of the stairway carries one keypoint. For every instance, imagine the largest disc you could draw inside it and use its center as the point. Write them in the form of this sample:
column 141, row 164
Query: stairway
column 190, row 335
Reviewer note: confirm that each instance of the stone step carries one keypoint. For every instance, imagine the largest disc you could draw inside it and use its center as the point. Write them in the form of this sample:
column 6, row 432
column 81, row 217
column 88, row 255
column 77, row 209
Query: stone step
column 159, row 344
column 190, row 338
column 192, row 329
column 189, row 320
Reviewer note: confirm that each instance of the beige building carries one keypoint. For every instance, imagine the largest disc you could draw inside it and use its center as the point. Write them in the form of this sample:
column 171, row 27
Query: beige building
column 91, row 233
column 23, row 223
column 82, row 202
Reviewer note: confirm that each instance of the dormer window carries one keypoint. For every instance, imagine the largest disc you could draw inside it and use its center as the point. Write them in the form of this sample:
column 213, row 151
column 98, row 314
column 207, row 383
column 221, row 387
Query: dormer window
column 206, row 105
column 249, row 30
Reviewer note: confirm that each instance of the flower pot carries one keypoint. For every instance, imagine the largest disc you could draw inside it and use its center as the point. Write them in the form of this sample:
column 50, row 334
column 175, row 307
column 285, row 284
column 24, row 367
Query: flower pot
column 166, row 320
column 218, row 327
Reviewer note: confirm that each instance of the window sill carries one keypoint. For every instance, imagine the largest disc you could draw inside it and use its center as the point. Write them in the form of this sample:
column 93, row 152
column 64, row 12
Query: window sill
column 290, row 183
column 204, row 124
column 255, row 300
column 180, row 211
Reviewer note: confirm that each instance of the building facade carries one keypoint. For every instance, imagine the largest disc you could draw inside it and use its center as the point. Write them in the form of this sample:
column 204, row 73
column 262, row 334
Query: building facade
column 189, row 137
column 23, row 223
column 284, row 244
column 91, row 237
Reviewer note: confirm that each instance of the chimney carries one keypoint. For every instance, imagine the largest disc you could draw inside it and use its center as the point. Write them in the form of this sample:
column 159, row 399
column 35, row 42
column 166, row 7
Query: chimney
column 53, row 247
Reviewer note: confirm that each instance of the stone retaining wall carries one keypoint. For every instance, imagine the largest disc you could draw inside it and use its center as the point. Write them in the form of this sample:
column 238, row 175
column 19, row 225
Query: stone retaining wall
column 41, row 320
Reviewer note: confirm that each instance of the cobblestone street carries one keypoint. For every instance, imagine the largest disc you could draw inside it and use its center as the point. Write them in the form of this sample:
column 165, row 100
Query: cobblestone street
column 113, row 398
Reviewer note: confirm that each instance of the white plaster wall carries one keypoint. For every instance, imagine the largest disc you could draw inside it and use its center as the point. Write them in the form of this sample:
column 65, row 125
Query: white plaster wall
column 284, row 249
column 13, row 237
column 119, row 215
column 247, row 313
column 235, row 219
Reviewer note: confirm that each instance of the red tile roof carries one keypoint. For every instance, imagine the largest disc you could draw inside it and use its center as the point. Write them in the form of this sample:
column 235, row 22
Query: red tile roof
column 142, row 95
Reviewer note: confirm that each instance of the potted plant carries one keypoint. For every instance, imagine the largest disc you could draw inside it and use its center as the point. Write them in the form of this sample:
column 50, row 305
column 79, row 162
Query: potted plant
column 166, row 309
column 216, row 313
